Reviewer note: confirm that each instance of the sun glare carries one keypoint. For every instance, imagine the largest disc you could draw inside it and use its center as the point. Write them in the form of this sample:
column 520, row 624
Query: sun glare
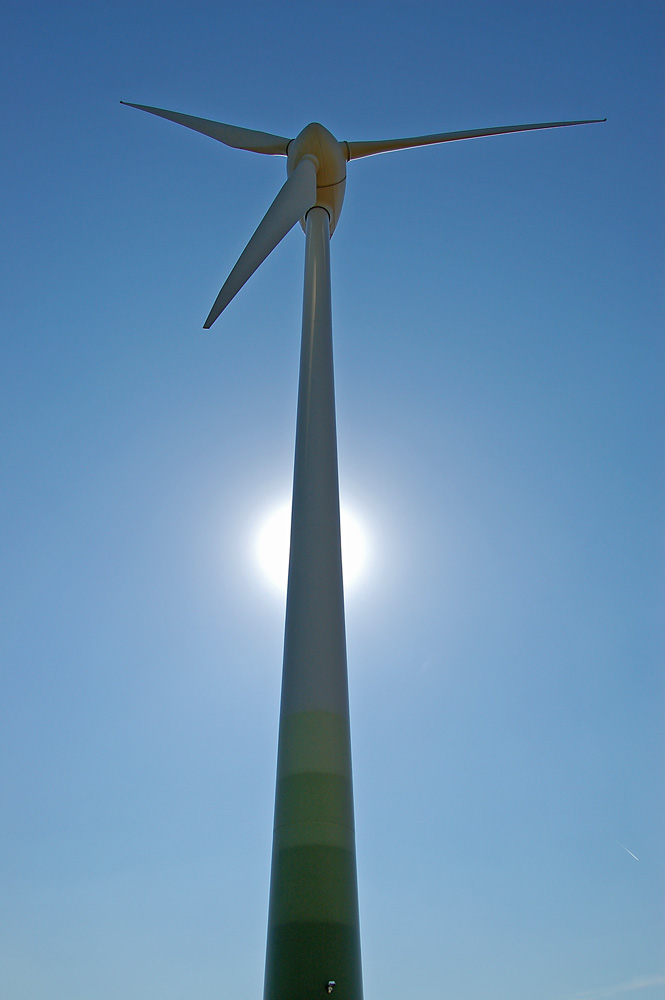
column 272, row 546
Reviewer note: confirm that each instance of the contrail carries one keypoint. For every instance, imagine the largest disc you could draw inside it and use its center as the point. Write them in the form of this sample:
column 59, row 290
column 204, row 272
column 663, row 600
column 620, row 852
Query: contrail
column 627, row 851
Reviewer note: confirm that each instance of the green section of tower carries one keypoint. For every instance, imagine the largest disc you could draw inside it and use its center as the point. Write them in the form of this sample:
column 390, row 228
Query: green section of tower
column 312, row 884
column 314, row 809
column 304, row 957
column 314, row 935
column 314, row 741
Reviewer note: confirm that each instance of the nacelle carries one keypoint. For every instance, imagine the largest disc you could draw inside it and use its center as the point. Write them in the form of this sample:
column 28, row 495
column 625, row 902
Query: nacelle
column 331, row 156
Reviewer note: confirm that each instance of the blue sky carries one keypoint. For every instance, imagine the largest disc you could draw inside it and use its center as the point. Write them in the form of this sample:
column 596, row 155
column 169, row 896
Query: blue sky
column 498, row 312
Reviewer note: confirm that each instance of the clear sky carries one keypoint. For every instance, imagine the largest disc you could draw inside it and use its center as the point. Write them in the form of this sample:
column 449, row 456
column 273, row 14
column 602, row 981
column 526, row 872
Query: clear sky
column 498, row 312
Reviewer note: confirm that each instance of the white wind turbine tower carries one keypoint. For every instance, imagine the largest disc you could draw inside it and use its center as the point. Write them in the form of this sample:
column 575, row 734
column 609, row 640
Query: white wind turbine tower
column 313, row 925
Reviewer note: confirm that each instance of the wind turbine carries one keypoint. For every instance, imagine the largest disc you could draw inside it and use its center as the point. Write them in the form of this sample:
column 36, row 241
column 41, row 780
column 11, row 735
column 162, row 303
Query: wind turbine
column 313, row 925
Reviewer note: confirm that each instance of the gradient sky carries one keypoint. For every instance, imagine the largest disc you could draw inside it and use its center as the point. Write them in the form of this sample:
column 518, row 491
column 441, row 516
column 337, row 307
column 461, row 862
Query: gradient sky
column 498, row 313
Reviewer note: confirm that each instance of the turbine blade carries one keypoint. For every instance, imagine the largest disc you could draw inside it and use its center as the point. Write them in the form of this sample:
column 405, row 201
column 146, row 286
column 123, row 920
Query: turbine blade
column 231, row 135
column 295, row 197
column 372, row 146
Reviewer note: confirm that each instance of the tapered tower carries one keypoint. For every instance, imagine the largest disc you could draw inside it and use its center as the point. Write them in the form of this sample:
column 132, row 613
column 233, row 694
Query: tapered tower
column 313, row 928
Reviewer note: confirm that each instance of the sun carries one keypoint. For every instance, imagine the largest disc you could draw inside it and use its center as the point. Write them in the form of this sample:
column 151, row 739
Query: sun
column 272, row 546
